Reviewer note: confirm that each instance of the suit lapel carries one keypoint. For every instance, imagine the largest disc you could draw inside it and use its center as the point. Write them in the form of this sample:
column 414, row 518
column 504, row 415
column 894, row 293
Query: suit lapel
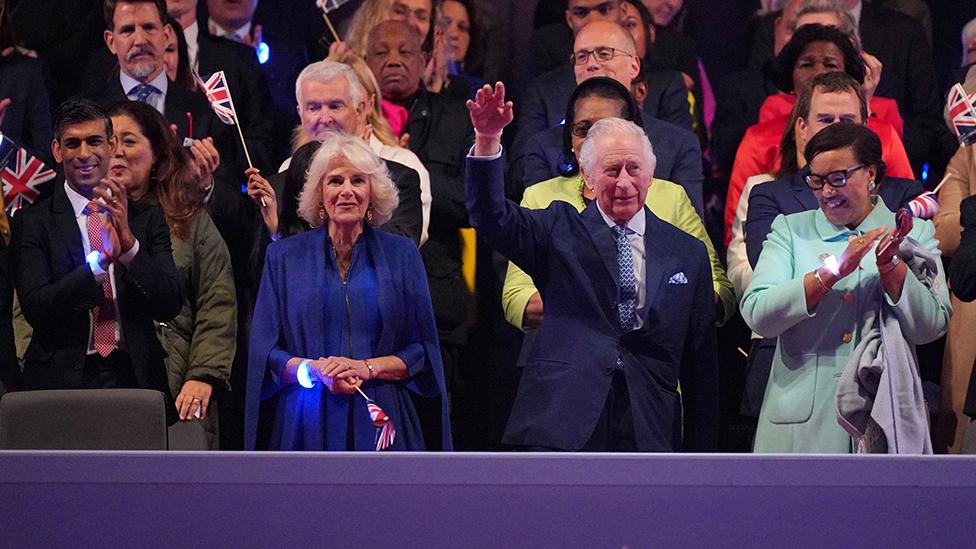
column 607, row 295
column 659, row 259
column 603, row 240
column 802, row 193
column 64, row 219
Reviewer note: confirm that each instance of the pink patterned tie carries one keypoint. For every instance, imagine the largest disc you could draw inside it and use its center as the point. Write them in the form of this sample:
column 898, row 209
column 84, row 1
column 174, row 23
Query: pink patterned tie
column 103, row 315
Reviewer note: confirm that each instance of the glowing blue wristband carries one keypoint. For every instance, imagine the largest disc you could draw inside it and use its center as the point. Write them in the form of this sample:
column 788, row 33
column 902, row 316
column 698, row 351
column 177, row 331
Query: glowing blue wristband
column 304, row 378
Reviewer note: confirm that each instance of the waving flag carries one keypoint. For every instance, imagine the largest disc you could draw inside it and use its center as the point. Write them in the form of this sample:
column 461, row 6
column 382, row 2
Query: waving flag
column 925, row 205
column 218, row 94
column 386, row 433
column 23, row 174
column 329, row 5
column 962, row 114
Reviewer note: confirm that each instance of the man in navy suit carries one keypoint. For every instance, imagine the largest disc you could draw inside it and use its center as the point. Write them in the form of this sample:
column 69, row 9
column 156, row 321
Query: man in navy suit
column 629, row 309
column 93, row 270
column 665, row 96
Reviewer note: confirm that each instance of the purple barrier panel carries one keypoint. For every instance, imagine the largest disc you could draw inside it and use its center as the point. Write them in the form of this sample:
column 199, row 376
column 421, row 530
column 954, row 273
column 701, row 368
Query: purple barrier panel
column 147, row 499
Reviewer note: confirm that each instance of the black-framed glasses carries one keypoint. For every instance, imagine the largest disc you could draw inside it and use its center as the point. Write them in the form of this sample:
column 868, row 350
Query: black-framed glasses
column 836, row 178
column 602, row 54
column 581, row 128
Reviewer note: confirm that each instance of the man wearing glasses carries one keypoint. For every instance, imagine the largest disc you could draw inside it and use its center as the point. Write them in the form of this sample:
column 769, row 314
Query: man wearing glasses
column 663, row 93
column 605, row 48
column 553, row 43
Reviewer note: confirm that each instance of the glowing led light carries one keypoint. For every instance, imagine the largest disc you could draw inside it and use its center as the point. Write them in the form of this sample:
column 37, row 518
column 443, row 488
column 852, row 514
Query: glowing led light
column 304, row 378
column 830, row 262
column 264, row 53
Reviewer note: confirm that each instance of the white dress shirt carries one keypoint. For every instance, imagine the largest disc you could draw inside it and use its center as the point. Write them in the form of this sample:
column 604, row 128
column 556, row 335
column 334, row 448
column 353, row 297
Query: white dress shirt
column 635, row 234
column 156, row 100
column 191, row 33
column 78, row 205
column 236, row 35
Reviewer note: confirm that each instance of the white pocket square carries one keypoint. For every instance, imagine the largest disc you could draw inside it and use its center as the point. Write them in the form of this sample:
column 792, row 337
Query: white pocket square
column 678, row 278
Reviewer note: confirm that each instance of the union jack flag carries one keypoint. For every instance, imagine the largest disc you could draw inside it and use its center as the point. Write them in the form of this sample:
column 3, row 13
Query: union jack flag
column 962, row 114
column 218, row 94
column 329, row 5
column 23, row 174
column 385, row 432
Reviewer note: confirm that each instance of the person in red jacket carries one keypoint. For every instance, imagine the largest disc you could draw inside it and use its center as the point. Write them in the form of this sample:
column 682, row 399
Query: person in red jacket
column 813, row 50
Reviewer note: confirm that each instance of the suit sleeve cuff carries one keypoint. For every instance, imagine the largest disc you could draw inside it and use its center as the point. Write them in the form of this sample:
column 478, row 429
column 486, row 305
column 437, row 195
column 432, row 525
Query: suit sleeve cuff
column 495, row 156
column 128, row 256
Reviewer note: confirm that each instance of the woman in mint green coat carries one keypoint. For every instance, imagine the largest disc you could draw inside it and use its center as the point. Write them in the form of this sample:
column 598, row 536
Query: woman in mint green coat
column 815, row 281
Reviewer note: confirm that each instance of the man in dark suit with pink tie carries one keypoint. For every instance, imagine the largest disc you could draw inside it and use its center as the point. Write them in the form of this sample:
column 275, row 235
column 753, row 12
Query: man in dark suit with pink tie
column 93, row 270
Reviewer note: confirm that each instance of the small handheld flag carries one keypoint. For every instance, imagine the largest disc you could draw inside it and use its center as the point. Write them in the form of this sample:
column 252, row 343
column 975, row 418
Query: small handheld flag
column 925, row 205
column 326, row 6
column 218, row 95
column 21, row 178
column 222, row 103
column 386, row 433
column 963, row 114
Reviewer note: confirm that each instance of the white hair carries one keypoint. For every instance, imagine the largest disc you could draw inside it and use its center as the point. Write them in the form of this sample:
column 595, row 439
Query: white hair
column 383, row 192
column 967, row 34
column 613, row 127
column 327, row 71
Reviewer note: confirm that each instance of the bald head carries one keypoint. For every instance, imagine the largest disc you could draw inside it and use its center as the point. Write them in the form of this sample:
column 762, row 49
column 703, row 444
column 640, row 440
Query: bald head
column 393, row 55
column 623, row 66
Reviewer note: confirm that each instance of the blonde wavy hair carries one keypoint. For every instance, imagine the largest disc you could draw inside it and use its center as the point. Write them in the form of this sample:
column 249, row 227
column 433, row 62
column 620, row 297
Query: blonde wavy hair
column 369, row 14
column 383, row 192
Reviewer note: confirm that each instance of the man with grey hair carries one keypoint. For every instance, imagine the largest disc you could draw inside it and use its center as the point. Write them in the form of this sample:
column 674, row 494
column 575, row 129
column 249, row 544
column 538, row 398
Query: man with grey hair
column 629, row 306
column 330, row 99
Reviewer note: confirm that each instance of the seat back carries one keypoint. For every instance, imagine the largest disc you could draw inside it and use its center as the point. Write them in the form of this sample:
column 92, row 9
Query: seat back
column 969, row 439
column 84, row 419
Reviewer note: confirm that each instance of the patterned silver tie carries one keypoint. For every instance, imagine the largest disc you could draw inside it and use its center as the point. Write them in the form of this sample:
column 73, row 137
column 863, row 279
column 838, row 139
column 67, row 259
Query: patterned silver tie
column 627, row 308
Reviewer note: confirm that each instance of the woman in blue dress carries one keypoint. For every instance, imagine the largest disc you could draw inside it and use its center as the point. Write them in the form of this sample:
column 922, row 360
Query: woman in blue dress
column 340, row 307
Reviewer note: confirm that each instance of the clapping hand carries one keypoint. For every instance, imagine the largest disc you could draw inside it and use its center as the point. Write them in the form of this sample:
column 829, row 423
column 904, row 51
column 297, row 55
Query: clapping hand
column 117, row 238
column 857, row 248
column 887, row 251
column 204, row 161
